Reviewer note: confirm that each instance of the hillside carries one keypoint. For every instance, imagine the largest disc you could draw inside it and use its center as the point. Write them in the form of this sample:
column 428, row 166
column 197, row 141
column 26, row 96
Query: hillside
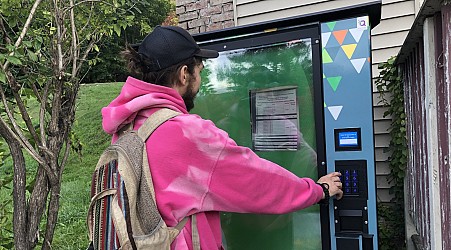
column 71, row 232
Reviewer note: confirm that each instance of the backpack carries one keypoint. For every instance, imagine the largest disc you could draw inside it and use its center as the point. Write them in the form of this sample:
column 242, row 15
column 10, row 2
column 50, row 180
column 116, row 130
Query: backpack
column 123, row 213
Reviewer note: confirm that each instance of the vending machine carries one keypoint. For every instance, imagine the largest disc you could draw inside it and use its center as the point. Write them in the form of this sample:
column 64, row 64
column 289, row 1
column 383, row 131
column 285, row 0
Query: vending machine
column 298, row 91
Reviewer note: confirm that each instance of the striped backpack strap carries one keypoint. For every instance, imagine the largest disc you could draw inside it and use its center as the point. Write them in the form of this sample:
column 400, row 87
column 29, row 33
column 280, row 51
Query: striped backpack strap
column 123, row 207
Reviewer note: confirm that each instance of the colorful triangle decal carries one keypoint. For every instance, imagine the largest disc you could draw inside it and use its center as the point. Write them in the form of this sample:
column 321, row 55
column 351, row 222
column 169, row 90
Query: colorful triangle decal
column 349, row 49
column 340, row 35
column 335, row 111
column 331, row 25
column 333, row 51
column 358, row 64
column 325, row 38
column 356, row 33
column 334, row 82
column 326, row 57
column 325, row 105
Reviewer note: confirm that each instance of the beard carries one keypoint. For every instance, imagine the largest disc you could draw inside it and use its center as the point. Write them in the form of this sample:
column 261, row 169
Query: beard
column 189, row 96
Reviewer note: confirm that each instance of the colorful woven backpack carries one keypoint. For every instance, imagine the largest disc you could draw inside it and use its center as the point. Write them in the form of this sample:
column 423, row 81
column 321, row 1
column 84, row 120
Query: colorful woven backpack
column 123, row 213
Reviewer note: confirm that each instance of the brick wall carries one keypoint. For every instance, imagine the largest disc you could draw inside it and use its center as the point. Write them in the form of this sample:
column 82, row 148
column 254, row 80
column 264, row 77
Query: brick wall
column 198, row 16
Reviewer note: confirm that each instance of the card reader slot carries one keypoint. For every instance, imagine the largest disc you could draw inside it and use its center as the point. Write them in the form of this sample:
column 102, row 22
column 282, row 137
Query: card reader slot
column 350, row 220
column 350, row 213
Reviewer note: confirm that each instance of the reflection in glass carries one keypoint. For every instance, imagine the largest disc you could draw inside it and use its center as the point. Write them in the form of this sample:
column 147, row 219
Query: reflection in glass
column 224, row 99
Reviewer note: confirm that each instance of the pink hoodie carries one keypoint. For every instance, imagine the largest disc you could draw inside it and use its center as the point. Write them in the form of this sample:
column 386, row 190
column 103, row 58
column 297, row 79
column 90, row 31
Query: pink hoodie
column 197, row 169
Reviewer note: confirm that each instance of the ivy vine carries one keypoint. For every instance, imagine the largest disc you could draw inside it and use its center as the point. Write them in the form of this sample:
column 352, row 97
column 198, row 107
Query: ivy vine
column 391, row 216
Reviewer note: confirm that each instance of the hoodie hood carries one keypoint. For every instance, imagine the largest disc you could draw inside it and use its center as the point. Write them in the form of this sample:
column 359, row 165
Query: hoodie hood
column 139, row 97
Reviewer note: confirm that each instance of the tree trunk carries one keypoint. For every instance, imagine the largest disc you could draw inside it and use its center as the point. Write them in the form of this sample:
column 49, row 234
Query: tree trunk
column 20, row 208
column 52, row 216
column 36, row 205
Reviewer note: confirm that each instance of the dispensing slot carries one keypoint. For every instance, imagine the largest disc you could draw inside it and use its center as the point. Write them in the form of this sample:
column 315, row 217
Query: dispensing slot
column 348, row 243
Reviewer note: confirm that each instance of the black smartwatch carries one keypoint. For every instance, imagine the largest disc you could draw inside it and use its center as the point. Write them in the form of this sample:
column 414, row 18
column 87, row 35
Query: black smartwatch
column 325, row 187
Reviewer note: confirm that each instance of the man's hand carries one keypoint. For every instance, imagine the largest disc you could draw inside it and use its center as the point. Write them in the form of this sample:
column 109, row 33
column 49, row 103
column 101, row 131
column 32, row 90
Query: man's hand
column 335, row 186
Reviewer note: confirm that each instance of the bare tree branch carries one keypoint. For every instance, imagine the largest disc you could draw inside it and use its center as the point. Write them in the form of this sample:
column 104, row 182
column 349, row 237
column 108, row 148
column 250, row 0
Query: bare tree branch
column 74, row 40
column 4, row 32
column 71, row 7
column 36, row 92
column 23, row 110
column 16, row 133
column 65, row 157
column 86, row 53
column 25, row 28
column 45, row 95
column 88, row 21
column 59, row 38
column 20, row 138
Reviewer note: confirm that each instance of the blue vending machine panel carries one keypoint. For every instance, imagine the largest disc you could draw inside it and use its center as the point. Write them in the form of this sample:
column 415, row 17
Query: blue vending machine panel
column 348, row 119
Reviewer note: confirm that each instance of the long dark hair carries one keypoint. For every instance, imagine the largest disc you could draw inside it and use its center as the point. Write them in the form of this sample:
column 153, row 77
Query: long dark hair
column 137, row 67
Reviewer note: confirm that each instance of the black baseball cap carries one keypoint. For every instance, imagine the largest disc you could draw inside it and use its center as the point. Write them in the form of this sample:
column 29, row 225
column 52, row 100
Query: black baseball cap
column 168, row 45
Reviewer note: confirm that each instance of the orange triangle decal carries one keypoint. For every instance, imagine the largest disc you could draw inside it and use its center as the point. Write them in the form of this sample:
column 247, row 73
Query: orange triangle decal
column 340, row 35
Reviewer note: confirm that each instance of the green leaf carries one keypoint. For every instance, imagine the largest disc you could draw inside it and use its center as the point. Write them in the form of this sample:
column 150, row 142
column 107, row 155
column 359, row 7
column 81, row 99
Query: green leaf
column 27, row 44
column 32, row 56
column 14, row 60
column 96, row 48
column 2, row 77
column 117, row 29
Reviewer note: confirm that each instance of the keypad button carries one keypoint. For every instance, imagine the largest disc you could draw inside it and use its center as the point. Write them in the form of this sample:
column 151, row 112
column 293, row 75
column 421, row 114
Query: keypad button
column 355, row 184
column 347, row 190
column 347, row 184
column 355, row 190
column 354, row 172
column 347, row 178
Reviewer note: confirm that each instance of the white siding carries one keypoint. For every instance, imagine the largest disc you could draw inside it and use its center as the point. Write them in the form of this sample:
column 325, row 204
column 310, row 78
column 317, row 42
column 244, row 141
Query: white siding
column 249, row 11
column 387, row 38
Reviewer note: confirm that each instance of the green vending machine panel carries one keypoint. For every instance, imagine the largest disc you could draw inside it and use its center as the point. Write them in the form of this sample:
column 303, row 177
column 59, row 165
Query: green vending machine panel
column 262, row 93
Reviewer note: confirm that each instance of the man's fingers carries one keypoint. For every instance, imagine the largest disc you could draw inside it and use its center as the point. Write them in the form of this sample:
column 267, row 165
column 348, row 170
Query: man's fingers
column 339, row 195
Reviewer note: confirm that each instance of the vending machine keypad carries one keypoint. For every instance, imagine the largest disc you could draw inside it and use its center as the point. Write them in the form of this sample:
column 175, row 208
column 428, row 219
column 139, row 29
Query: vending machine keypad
column 350, row 180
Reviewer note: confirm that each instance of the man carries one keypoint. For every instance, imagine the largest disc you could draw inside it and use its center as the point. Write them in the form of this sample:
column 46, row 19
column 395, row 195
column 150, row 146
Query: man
column 196, row 167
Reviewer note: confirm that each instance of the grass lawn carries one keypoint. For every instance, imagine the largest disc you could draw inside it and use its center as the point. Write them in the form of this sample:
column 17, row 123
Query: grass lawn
column 71, row 232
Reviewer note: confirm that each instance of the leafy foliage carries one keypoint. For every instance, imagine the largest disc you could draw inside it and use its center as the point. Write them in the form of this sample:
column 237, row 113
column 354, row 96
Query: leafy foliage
column 105, row 64
column 392, row 216
column 46, row 47
column 6, row 234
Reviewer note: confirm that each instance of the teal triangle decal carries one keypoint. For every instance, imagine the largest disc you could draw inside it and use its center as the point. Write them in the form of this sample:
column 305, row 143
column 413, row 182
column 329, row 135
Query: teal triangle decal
column 334, row 82
column 331, row 25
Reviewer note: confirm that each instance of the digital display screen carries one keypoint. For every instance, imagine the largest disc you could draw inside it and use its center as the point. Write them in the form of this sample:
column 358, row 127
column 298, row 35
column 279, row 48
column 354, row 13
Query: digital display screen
column 348, row 139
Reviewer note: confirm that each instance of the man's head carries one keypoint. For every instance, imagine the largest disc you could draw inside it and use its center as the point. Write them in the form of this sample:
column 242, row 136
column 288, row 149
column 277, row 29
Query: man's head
column 170, row 57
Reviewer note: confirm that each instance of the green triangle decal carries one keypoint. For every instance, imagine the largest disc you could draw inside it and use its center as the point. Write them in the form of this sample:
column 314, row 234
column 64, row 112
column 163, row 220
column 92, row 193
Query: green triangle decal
column 334, row 82
column 325, row 105
column 331, row 25
column 326, row 57
column 324, row 76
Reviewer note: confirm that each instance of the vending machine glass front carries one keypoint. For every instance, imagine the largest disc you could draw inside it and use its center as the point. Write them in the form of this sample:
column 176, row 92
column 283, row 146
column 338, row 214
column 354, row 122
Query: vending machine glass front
column 261, row 92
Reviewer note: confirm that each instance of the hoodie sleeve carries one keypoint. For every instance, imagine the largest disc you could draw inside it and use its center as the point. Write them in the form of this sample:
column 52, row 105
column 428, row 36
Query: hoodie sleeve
column 243, row 182
column 196, row 167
